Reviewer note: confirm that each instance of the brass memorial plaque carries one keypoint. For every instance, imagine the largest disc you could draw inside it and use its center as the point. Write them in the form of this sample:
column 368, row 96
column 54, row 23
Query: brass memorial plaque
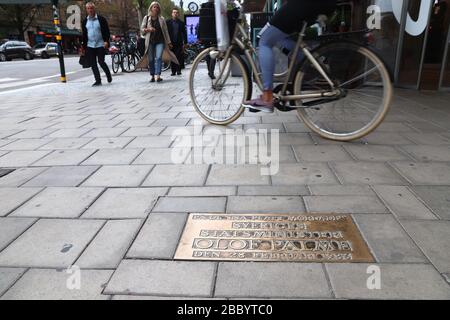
column 273, row 237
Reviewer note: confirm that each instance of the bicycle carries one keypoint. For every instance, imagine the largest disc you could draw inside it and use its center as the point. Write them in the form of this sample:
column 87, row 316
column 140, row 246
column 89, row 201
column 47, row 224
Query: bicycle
column 125, row 58
column 341, row 90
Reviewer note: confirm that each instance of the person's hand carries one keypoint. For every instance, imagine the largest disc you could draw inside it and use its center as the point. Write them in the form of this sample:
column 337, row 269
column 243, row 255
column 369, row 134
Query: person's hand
column 105, row 45
column 170, row 46
column 82, row 51
column 146, row 30
column 151, row 29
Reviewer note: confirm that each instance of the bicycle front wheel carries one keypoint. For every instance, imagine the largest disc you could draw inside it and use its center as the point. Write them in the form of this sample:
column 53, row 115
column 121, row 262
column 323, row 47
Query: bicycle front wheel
column 365, row 86
column 115, row 62
column 165, row 66
column 218, row 87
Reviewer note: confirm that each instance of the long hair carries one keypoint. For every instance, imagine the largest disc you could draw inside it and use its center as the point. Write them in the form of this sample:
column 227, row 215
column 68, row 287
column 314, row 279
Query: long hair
column 154, row 3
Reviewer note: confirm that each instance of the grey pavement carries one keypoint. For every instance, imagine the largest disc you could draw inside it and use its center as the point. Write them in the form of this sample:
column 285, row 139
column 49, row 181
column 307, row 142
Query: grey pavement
column 104, row 179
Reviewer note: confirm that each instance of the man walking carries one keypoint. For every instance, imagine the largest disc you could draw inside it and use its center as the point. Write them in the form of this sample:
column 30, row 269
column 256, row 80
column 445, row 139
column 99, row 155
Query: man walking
column 95, row 42
column 178, row 36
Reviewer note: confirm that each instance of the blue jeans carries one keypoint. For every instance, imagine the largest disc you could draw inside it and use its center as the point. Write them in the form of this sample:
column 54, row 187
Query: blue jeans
column 272, row 37
column 155, row 51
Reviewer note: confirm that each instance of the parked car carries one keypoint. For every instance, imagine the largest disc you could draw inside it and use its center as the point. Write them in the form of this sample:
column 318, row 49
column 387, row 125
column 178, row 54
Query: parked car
column 15, row 49
column 46, row 50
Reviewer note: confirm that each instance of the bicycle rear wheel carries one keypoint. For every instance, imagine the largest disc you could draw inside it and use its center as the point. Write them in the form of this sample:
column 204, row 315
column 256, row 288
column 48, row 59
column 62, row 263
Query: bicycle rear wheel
column 129, row 63
column 366, row 91
column 115, row 62
column 219, row 101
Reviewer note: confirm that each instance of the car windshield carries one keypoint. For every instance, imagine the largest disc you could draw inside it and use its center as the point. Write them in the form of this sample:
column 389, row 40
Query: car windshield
column 39, row 46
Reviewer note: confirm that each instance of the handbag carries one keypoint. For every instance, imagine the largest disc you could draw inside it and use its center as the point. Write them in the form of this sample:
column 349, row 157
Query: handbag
column 84, row 62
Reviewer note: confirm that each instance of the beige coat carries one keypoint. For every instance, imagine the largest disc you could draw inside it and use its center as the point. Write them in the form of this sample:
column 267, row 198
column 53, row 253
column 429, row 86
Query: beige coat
column 168, row 55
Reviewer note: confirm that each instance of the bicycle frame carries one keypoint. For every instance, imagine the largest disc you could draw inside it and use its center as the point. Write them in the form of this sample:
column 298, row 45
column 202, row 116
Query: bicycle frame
column 241, row 40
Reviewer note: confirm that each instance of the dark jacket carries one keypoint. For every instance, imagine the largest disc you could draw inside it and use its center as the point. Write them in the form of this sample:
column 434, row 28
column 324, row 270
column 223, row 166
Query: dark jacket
column 103, row 26
column 182, row 34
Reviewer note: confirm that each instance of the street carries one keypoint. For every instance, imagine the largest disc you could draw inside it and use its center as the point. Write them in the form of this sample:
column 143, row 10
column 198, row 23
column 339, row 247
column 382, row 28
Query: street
column 19, row 74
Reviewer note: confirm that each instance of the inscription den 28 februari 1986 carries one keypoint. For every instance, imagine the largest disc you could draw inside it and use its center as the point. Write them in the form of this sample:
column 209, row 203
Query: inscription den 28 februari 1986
column 272, row 237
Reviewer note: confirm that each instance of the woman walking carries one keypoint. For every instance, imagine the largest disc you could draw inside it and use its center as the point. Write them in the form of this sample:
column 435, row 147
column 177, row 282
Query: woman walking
column 157, row 40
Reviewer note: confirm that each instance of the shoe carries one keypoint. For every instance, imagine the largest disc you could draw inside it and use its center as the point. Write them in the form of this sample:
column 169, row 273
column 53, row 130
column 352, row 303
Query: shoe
column 179, row 73
column 173, row 74
column 212, row 76
column 97, row 83
column 109, row 78
column 259, row 105
column 152, row 79
column 159, row 80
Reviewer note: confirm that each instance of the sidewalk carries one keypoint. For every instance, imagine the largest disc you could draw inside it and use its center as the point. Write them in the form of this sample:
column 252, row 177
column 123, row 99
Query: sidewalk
column 94, row 186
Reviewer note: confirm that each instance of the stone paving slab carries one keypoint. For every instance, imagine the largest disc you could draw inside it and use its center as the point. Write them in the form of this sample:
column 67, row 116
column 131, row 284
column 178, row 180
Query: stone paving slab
column 108, row 143
column 191, row 204
column 398, row 281
column 8, row 276
column 376, row 153
column 47, row 284
column 265, row 204
column 20, row 176
column 59, row 203
column 64, row 158
column 50, row 243
column 369, row 173
column 437, row 198
column 428, row 153
column 420, row 173
column 64, row 176
column 432, row 238
column 225, row 175
column 273, row 191
column 163, row 156
column 110, row 245
column 16, row 159
column 112, row 157
column 344, row 204
column 12, row 198
column 26, row 144
column 177, row 175
column 158, row 238
column 66, row 143
column 387, row 240
column 340, row 190
column 427, row 138
column 118, row 176
column 322, row 153
column 202, row 191
column 124, row 203
column 11, row 228
column 267, row 280
column 307, row 173
column 386, row 138
column 402, row 202
column 163, row 278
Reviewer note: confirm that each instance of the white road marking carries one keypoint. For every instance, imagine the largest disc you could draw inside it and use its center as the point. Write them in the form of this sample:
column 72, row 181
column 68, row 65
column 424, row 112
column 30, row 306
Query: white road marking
column 28, row 88
column 32, row 81
column 8, row 79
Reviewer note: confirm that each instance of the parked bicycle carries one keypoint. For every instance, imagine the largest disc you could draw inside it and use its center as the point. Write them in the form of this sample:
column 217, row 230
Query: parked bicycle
column 124, row 58
column 341, row 90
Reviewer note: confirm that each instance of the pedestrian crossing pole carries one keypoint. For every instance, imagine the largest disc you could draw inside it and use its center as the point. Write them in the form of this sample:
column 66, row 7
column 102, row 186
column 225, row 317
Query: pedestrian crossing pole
column 57, row 24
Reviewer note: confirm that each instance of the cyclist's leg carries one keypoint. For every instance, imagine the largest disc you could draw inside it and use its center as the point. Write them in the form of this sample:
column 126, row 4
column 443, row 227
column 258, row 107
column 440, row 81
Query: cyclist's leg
column 272, row 37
